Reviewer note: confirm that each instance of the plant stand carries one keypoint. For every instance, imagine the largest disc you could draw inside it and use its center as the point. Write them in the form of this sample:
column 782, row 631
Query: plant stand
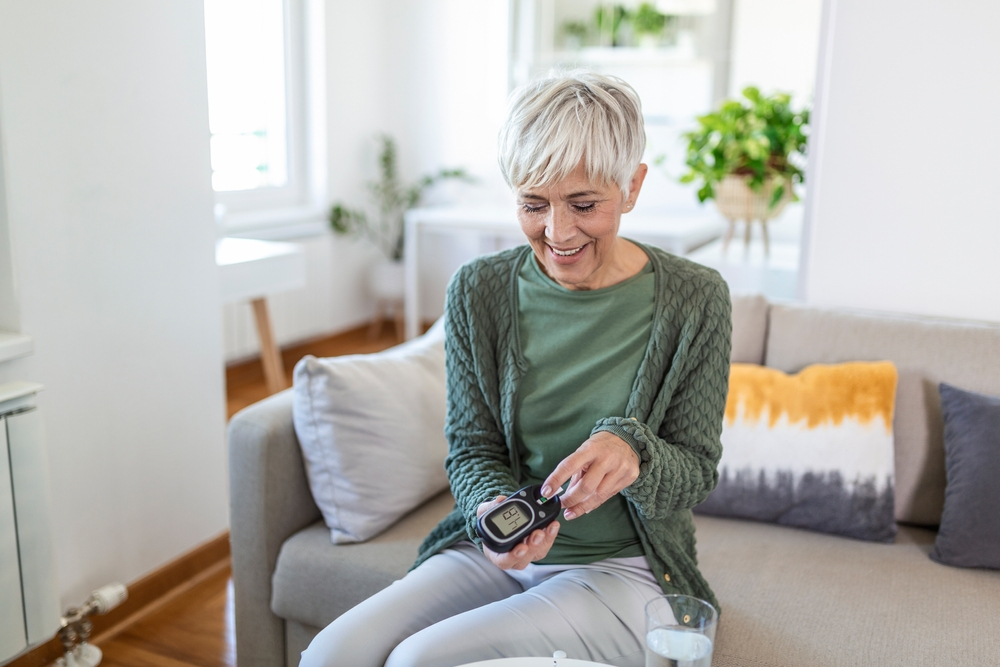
column 746, row 236
column 737, row 201
column 386, row 281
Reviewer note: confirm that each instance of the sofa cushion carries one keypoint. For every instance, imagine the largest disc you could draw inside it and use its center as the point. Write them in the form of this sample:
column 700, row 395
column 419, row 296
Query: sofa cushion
column 749, row 328
column 791, row 598
column 315, row 581
column 925, row 351
column 970, row 525
column 371, row 427
column 812, row 450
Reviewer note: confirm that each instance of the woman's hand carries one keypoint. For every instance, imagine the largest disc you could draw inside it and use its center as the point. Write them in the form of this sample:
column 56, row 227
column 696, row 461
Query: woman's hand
column 601, row 467
column 534, row 547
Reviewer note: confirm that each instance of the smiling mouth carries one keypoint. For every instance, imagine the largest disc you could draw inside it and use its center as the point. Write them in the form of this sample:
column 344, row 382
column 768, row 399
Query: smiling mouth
column 567, row 253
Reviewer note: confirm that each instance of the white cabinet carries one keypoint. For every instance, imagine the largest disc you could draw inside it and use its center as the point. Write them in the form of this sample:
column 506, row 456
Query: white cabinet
column 29, row 602
column 12, row 636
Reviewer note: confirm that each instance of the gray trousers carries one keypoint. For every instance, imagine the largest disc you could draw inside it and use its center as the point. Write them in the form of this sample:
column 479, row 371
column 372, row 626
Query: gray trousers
column 458, row 607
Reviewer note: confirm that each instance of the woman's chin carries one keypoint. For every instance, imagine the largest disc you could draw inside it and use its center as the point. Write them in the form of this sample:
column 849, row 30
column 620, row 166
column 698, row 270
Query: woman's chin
column 570, row 271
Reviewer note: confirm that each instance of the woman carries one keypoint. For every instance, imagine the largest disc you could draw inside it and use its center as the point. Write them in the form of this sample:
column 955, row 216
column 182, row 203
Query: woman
column 584, row 358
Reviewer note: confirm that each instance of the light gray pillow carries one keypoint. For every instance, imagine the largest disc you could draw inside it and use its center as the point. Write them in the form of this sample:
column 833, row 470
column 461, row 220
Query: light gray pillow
column 371, row 428
column 749, row 328
column 969, row 535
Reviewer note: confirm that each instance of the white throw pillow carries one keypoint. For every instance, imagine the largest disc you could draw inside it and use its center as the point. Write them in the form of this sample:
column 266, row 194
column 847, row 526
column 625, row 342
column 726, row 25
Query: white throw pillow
column 371, row 428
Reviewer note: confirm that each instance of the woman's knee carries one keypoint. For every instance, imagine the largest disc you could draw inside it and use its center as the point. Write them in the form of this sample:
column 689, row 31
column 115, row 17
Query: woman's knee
column 417, row 651
column 315, row 656
column 341, row 645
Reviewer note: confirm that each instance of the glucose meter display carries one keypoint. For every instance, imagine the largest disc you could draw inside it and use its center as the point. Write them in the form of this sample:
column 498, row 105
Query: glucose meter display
column 509, row 520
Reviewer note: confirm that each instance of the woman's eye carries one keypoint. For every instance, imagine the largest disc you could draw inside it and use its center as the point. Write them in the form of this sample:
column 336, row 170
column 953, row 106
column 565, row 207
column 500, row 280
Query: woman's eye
column 584, row 208
column 529, row 208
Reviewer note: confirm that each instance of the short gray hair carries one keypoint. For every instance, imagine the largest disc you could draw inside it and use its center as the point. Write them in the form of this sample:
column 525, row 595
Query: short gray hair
column 555, row 122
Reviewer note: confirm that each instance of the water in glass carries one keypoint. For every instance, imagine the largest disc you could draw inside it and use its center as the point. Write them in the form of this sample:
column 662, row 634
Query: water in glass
column 677, row 647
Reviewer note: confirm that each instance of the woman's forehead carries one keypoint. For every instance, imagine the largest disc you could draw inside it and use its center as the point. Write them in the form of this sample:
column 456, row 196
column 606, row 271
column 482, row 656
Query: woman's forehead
column 574, row 184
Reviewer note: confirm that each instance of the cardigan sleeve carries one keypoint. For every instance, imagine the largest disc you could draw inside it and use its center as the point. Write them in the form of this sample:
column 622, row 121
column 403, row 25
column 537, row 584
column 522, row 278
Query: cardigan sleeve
column 478, row 461
column 679, row 464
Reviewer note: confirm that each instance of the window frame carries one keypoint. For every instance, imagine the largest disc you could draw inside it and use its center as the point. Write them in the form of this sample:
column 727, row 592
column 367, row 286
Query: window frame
column 301, row 200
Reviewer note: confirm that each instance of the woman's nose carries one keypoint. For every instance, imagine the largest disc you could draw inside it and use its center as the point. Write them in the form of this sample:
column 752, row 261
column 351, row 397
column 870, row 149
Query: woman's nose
column 560, row 226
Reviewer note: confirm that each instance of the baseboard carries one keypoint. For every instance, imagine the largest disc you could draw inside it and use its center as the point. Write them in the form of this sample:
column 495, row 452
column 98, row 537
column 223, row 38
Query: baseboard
column 143, row 594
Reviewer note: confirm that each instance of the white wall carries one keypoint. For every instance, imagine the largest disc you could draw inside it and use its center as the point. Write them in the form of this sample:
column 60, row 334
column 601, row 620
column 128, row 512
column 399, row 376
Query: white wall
column 9, row 314
column 447, row 86
column 903, row 198
column 774, row 47
column 105, row 131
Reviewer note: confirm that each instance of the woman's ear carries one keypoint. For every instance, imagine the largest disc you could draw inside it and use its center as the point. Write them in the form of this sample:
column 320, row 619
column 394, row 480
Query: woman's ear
column 635, row 185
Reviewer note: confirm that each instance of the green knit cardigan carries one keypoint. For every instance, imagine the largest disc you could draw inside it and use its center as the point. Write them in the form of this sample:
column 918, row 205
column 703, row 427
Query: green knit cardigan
column 673, row 419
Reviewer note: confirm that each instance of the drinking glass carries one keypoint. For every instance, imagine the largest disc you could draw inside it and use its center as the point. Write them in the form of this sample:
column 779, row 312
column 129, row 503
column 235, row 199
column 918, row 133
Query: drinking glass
column 680, row 631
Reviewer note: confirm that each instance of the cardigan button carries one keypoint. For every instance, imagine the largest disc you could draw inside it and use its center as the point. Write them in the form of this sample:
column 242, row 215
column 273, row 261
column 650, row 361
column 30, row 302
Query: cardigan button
column 666, row 577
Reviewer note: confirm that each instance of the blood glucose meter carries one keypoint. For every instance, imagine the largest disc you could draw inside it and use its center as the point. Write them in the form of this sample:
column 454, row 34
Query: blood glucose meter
column 506, row 525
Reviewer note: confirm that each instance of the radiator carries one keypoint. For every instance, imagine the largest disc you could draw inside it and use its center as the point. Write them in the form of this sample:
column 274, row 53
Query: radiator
column 29, row 596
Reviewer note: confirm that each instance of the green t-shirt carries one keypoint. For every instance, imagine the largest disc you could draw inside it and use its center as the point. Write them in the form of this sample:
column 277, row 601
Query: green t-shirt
column 583, row 349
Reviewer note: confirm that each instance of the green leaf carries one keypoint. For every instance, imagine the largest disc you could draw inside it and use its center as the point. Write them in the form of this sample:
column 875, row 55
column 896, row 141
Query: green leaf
column 776, row 196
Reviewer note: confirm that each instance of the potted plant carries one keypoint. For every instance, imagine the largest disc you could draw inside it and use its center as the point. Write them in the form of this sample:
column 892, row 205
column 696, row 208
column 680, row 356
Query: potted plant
column 612, row 23
column 649, row 25
column 574, row 34
column 385, row 229
column 747, row 155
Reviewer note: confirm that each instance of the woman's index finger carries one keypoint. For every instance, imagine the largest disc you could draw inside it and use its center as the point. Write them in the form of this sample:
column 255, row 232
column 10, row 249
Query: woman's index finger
column 569, row 466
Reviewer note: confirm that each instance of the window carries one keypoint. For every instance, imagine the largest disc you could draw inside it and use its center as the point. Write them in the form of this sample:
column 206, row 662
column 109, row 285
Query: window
column 256, row 98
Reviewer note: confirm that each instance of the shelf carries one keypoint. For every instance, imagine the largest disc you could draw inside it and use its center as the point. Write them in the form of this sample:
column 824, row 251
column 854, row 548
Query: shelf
column 14, row 345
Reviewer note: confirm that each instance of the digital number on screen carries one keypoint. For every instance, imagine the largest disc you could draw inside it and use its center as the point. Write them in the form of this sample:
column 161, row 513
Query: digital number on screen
column 510, row 520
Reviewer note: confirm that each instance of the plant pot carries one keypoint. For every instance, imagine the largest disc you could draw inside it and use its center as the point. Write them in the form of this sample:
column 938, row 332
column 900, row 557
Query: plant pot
column 648, row 41
column 386, row 280
column 387, row 283
column 736, row 201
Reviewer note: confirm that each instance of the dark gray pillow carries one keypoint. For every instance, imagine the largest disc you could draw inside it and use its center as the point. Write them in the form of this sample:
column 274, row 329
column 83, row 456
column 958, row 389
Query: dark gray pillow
column 970, row 525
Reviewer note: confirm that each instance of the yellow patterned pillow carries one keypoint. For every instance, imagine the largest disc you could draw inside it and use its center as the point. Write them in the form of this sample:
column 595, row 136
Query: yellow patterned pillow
column 812, row 450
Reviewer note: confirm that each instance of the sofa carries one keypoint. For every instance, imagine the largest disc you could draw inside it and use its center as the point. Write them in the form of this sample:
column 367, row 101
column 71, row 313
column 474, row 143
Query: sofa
column 789, row 597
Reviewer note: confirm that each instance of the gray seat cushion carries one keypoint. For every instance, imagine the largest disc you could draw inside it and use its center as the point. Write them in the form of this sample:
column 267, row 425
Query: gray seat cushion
column 791, row 597
column 316, row 581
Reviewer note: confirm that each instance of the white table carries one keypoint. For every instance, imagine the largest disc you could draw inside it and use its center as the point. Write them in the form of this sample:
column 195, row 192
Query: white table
column 678, row 232
column 250, row 270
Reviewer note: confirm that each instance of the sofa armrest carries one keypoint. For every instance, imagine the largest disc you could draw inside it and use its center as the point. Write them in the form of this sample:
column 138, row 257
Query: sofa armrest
column 269, row 500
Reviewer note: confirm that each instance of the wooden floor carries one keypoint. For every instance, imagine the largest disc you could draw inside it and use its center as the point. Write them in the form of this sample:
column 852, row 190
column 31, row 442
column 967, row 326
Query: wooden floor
column 195, row 627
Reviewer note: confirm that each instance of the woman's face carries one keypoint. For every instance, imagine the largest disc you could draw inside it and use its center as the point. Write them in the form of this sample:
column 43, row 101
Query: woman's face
column 572, row 226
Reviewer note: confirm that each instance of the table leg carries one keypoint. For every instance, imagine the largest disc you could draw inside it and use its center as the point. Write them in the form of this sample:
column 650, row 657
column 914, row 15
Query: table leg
column 729, row 236
column 411, row 302
column 270, row 356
